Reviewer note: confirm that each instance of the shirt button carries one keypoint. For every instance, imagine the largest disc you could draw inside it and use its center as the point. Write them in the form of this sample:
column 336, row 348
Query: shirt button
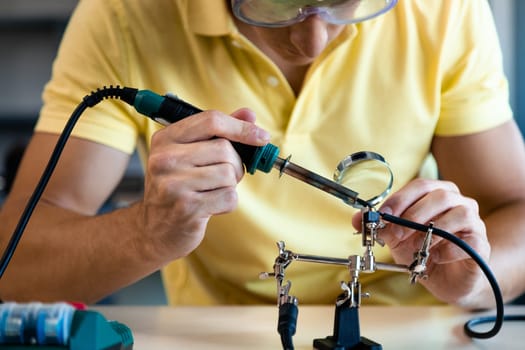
column 272, row 81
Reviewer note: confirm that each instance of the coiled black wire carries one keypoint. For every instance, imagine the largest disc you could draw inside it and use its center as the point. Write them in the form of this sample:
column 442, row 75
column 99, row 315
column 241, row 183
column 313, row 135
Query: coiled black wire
column 498, row 319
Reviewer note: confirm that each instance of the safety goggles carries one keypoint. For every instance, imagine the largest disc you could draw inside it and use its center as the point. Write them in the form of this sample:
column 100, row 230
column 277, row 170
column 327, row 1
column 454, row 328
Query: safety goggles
column 280, row 13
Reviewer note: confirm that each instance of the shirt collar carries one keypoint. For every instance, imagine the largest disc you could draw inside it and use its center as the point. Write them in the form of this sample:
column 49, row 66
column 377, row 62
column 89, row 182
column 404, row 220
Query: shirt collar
column 209, row 17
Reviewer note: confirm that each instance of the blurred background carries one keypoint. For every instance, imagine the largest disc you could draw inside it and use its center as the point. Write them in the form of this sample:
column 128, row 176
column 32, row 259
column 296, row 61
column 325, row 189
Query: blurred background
column 30, row 32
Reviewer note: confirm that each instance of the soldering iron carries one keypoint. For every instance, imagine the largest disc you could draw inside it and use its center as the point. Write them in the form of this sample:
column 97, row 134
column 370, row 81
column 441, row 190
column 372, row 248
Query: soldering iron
column 169, row 109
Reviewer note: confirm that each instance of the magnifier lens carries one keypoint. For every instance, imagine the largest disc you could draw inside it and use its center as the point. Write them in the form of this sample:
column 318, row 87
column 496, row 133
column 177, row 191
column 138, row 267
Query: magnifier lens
column 367, row 173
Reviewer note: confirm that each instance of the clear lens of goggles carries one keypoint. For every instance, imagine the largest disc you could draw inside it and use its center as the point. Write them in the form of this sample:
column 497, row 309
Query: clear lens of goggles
column 280, row 13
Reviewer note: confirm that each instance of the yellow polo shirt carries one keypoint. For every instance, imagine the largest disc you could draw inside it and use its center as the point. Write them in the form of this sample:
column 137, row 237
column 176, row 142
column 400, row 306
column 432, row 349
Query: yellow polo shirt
column 386, row 85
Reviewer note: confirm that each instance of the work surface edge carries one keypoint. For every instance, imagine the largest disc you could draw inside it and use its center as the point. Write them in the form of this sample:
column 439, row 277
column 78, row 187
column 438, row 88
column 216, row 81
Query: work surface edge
column 255, row 327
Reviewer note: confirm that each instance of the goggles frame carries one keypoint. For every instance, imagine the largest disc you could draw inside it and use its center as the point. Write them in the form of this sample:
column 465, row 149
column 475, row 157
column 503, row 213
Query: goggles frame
column 326, row 13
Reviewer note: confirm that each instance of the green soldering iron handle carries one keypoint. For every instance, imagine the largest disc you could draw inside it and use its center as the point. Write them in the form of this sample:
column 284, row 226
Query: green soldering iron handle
column 169, row 109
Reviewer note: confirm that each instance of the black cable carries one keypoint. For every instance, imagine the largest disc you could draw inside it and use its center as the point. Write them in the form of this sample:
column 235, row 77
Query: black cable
column 125, row 94
column 490, row 319
column 35, row 197
column 287, row 324
column 498, row 319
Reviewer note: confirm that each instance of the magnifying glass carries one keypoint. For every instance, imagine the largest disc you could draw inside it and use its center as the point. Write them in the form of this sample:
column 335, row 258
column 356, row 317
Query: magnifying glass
column 367, row 173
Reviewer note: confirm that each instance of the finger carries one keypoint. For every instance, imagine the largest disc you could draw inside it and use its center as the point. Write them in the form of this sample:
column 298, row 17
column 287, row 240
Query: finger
column 463, row 221
column 469, row 228
column 434, row 206
column 220, row 201
column 194, row 192
column 465, row 224
column 447, row 252
column 178, row 157
column 211, row 124
column 411, row 193
column 462, row 217
column 188, row 205
column 244, row 114
column 401, row 237
column 211, row 177
column 206, row 203
column 202, row 179
column 357, row 220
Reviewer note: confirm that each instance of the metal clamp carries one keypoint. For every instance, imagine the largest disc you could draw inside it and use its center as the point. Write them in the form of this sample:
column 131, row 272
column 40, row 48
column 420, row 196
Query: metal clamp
column 418, row 268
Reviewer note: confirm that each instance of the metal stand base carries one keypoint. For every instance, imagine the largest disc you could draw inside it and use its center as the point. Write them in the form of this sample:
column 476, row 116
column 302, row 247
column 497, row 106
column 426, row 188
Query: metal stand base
column 329, row 343
column 347, row 335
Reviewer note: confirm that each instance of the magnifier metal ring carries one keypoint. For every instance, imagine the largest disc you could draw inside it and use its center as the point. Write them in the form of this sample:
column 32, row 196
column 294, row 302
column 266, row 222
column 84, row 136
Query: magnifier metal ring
column 358, row 157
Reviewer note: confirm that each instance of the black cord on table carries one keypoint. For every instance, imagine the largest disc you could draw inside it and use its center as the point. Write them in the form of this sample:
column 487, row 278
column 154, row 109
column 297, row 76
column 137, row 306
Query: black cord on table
column 498, row 319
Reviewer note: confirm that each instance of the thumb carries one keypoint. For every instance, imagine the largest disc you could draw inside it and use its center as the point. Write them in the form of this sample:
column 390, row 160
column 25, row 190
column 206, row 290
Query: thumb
column 357, row 220
column 244, row 114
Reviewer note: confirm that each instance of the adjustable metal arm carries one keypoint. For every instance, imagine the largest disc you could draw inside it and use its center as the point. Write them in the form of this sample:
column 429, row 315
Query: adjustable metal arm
column 346, row 323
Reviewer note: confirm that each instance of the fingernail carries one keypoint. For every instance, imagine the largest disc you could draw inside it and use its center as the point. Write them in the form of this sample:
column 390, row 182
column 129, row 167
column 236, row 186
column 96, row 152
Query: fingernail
column 386, row 210
column 263, row 135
